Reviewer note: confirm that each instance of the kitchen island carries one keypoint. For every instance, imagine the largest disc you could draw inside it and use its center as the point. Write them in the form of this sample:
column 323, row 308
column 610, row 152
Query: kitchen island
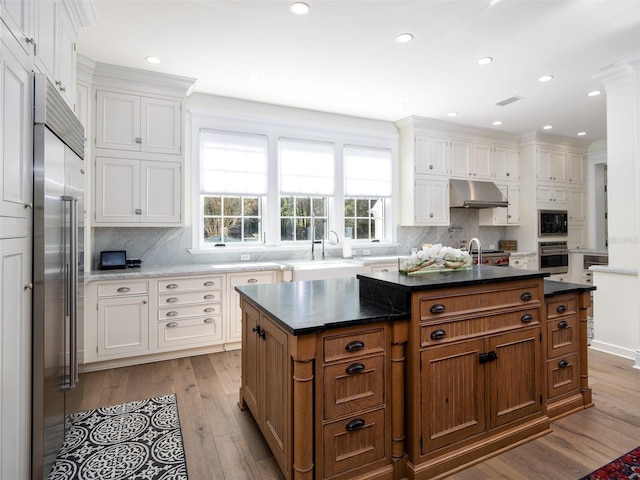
column 393, row 376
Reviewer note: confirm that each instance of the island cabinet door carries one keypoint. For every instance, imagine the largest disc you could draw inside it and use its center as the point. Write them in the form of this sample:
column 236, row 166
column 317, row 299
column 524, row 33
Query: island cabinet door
column 250, row 358
column 452, row 394
column 514, row 376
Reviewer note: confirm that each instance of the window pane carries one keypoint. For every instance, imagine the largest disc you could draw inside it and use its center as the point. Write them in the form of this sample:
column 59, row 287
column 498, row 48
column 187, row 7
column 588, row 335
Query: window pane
column 232, row 206
column 362, row 230
column 251, row 229
column 212, row 205
column 362, row 208
column 303, row 229
column 212, row 230
column 319, row 207
column 306, row 167
column 286, row 206
column 251, row 206
column 286, row 229
column 349, row 207
column 302, row 207
column 349, row 223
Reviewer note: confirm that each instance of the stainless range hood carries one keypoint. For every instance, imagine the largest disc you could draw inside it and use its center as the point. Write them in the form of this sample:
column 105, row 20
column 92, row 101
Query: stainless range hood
column 475, row 194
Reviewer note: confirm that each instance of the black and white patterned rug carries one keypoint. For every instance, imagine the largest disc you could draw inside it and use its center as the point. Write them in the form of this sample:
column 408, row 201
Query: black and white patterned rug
column 133, row 441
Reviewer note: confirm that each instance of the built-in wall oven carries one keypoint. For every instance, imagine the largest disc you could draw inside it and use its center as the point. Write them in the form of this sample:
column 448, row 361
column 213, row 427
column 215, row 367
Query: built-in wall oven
column 554, row 257
column 553, row 223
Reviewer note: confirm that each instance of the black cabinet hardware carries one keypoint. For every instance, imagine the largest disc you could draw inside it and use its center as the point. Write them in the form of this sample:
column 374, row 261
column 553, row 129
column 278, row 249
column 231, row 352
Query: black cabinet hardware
column 563, row 324
column 354, row 346
column 355, row 368
column 526, row 296
column 438, row 334
column 259, row 331
column 256, row 329
column 561, row 309
column 526, row 318
column 354, row 425
column 563, row 364
column 262, row 333
column 437, row 308
column 488, row 357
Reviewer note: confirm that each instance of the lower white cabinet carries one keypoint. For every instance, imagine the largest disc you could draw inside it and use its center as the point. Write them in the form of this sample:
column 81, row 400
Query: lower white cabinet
column 165, row 315
column 524, row 261
column 381, row 267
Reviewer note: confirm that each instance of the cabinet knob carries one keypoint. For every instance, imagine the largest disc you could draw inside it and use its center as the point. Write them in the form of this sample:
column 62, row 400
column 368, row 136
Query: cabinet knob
column 138, row 140
column 431, row 215
column 430, row 167
column 30, row 40
column 209, row 320
column 124, row 290
column 563, row 364
column 563, row 324
column 138, row 211
column 172, row 324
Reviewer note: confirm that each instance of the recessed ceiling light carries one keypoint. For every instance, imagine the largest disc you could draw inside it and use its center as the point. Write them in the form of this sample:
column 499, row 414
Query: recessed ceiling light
column 452, row 114
column 485, row 60
column 547, row 127
column 497, row 122
column 594, row 93
column 154, row 60
column 299, row 8
column 545, row 78
column 404, row 38
column 582, row 134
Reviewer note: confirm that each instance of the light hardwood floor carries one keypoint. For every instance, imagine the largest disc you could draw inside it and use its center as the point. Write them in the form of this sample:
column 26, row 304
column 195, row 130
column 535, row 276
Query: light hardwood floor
column 224, row 443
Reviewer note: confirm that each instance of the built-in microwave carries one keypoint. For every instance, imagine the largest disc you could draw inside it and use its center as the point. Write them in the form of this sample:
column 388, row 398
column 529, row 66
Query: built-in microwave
column 552, row 222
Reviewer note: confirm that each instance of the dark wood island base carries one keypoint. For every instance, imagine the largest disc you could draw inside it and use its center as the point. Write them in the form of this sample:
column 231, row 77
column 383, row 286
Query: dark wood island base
column 390, row 377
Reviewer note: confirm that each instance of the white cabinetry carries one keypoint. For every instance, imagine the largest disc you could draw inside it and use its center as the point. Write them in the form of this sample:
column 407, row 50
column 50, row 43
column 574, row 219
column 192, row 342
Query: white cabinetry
column 431, row 201
column 138, row 154
column 577, row 168
column 17, row 15
column 383, row 266
column 577, row 205
column 138, row 123
column 137, row 191
column 15, row 361
column 551, row 196
column 56, row 46
column 551, row 165
column 524, row 261
column 577, row 236
column 471, row 160
column 509, row 215
column 506, row 166
column 431, row 155
column 234, row 334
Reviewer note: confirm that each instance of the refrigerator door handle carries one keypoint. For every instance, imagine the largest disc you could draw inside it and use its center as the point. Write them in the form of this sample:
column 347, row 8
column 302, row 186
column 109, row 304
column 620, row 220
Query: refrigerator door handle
column 72, row 292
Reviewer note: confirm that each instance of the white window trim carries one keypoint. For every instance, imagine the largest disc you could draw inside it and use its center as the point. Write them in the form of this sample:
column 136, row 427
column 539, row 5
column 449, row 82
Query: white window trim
column 275, row 129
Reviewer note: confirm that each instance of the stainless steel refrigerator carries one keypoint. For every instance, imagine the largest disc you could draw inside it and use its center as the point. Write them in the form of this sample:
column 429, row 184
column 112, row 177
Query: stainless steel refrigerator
column 58, row 252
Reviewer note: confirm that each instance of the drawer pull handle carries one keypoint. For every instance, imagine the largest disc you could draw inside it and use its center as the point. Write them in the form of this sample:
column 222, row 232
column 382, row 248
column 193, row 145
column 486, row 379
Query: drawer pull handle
column 355, row 368
column 172, row 324
column 526, row 296
column 209, row 320
column 172, row 313
column 354, row 425
column 384, row 270
column 526, row 318
column 437, row 308
column 563, row 324
column 172, row 300
column 209, row 310
column 438, row 334
column 561, row 309
column 209, row 297
column 563, row 364
column 172, row 286
column 124, row 290
column 252, row 280
column 209, row 284
column 354, row 346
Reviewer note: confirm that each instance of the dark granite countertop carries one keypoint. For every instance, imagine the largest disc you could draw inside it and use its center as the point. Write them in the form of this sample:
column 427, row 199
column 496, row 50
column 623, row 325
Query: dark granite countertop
column 314, row 306
column 317, row 305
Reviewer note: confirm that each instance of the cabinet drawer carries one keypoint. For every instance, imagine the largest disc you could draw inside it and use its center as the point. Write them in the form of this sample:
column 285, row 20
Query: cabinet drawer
column 190, row 332
column 122, row 288
column 352, row 386
column 562, row 336
column 181, row 298
column 342, row 347
column 561, row 306
column 562, row 375
column 433, row 334
column 252, row 278
column 474, row 301
column 183, row 311
column 353, row 443
column 185, row 284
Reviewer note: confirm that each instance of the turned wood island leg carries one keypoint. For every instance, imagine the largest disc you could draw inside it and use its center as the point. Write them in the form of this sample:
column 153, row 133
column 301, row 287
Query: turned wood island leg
column 398, row 348
column 303, row 353
column 584, row 302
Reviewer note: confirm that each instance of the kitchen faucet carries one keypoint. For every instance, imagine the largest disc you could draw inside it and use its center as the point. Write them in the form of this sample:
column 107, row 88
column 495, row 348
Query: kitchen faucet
column 474, row 239
column 335, row 233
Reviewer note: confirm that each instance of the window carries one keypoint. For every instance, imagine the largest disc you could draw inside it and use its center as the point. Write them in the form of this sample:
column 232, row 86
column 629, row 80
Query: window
column 367, row 189
column 233, row 183
column 307, row 181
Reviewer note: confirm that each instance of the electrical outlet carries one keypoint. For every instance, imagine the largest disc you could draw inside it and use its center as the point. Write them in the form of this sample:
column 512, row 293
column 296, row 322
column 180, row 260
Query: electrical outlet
column 366, row 252
column 245, row 256
column 492, row 246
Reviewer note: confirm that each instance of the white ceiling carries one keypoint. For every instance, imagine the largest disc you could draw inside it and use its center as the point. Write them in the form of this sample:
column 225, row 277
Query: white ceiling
column 342, row 56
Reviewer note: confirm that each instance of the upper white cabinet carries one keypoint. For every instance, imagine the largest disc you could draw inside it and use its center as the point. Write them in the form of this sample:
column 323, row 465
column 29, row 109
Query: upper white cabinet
column 503, row 216
column 506, row 166
column 471, row 160
column 17, row 15
column 551, row 165
column 431, row 202
column 431, row 155
column 55, row 46
column 577, row 168
column 138, row 123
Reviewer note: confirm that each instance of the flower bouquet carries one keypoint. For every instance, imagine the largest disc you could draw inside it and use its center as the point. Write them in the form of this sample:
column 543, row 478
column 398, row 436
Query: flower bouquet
column 435, row 258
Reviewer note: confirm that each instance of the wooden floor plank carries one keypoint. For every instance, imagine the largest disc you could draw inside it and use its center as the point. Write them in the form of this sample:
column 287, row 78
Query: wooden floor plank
column 224, row 443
